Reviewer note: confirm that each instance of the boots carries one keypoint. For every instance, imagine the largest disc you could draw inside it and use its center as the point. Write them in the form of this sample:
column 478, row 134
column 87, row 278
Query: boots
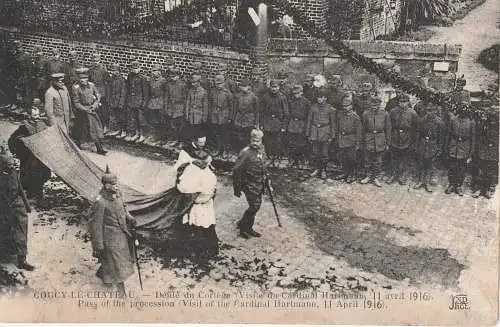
column 100, row 149
column 23, row 264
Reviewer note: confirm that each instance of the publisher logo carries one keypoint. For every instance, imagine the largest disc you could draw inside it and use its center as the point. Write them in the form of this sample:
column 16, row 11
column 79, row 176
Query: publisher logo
column 459, row 302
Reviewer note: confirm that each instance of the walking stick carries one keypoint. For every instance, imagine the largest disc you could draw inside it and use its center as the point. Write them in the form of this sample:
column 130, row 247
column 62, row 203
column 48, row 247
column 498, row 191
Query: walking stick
column 271, row 197
column 135, row 245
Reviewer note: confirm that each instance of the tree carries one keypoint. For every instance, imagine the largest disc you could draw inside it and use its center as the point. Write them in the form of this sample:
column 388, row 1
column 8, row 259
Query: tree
column 415, row 12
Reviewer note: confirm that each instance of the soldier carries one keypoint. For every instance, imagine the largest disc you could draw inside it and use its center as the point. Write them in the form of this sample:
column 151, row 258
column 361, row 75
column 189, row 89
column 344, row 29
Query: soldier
column 86, row 101
column 14, row 208
column 136, row 102
column 155, row 108
column 429, row 141
column 21, row 70
column 197, row 70
column 348, row 137
column 487, row 153
column 404, row 122
column 40, row 73
column 361, row 102
column 246, row 115
column 229, row 84
column 460, row 144
column 110, row 226
column 259, row 85
column 249, row 177
column 320, row 131
column 335, row 91
column 376, row 140
column 176, row 102
column 220, row 114
column 74, row 64
column 116, row 91
column 421, row 108
column 55, row 64
column 309, row 88
column 33, row 173
column 296, row 140
column 394, row 102
column 58, row 104
column 274, row 119
column 196, row 106
column 100, row 77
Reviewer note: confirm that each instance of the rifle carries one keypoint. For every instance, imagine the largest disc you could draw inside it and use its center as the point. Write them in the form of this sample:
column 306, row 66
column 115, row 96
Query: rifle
column 271, row 197
column 136, row 243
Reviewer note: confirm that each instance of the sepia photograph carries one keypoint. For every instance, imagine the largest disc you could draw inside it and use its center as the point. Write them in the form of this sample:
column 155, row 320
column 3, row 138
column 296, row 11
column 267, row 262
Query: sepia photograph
column 250, row 161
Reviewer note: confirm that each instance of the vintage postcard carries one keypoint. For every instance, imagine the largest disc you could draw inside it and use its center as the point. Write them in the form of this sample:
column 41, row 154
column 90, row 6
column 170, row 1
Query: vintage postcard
column 241, row 161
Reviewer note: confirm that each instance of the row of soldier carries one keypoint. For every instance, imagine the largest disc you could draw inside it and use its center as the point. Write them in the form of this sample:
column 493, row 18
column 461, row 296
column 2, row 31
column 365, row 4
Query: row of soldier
column 313, row 122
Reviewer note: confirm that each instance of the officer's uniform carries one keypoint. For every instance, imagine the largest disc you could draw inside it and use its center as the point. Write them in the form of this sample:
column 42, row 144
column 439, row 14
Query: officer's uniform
column 220, row 114
column 58, row 106
column 136, row 101
column 196, row 108
column 320, row 131
column 404, row 122
column 460, row 144
column 249, row 177
column 100, row 77
column 376, row 137
column 274, row 118
column 348, row 127
column 296, row 130
column 116, row 91
column 429, row 144
column 246, row 116
column 176, row 102
column 487, row 153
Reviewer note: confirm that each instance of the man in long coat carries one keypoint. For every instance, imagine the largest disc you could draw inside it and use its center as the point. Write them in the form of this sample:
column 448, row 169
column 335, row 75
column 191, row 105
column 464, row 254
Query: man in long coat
column 348, row 128
column 196, row 106
column 110, row 229
column 249, row 177
column 135, row 101
column 296, row 139
column 33, row 173
column 246, row 115
column 58, row 104
column 376, row 140
column 220, row 114
column 116, row 91
column 459, row 144
column 274, row 119
column 156, row 103
column 99, row 75
column 320, row 131
column 404, row 123
column 176, row 104
column 15, row 208
column 487, row 153
column 40, row 73
column 86, row 101
column 429, row 144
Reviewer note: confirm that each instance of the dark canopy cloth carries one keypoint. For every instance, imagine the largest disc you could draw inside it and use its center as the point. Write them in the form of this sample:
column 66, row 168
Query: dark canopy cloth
column 57, row 151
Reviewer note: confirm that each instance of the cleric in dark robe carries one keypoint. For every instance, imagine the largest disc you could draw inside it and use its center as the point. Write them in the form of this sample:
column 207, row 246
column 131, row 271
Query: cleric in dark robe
column 33, row 173
column 112, row 241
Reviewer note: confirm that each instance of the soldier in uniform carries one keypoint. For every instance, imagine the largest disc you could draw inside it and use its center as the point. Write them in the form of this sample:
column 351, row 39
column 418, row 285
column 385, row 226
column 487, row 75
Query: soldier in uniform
column 14, row 208
column 100, row 77
column 55, row 64
column 196, row 107
column 487, row 153
column 58, row 104
column 136, row 102
column 197, row 70
column 348, row 130
column 404, row 122
column 156, row 104
column 376, row 140
column 296, row 138
column 220, row 114
column 274, row 118
column 259, row 85
column 246, row 115
column 33, row 173
column 460, row 145
column 249, row 177
column 361, row 102
column 116, row 91
column 73, row 65
column 320, row 131
column 40, row 73
column 86, row 101
column 335, row 91
column 309, row 89
column 394, row 102
column 429, row 144
column 176, row 102
column 229, row 84
column 110, row 226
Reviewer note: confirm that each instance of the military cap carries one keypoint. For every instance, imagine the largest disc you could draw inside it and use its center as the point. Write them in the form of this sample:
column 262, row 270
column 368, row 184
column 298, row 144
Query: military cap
column 245, row 82
column 404, row 98
column 197, row 65
column 135, row 65
column 219, row 79
column 57, row 76
column 274, row 83
column 297, row 89
column 108, row 177
column 366, row 86
column 173, row 71
column 195, row 78
column 114, row 67
column 36, row 102
column 96, row 56
column 156, row 68
column 82, row 72
column 256, row 133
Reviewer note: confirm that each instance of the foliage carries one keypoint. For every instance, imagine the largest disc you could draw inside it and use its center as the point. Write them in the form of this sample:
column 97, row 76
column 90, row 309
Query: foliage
column 489, row 57
column 416, row 12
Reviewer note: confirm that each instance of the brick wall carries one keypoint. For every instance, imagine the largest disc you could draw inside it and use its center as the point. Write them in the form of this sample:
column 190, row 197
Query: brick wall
column 147, row 53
